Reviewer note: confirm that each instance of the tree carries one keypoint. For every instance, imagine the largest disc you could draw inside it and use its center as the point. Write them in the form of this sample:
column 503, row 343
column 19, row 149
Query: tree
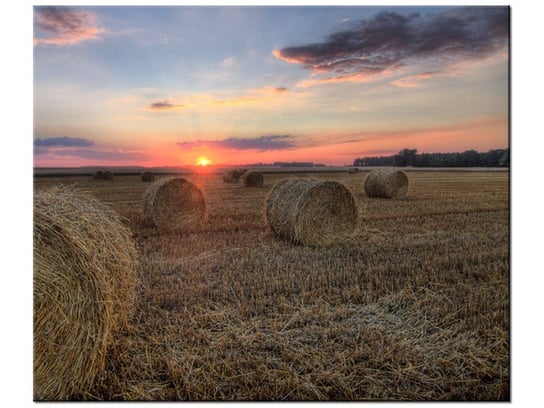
column 405, row 157
column 470, row 158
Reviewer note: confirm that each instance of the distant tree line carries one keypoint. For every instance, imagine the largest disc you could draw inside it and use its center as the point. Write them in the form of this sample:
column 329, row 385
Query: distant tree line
column 410, row 157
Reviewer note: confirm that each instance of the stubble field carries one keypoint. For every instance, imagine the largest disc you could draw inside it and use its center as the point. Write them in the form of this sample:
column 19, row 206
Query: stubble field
column 414, row 306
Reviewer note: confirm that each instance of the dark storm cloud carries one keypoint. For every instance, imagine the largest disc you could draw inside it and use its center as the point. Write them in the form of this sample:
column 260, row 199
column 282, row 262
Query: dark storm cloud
column 267, row 142
column 63, row 141
column 390, row 39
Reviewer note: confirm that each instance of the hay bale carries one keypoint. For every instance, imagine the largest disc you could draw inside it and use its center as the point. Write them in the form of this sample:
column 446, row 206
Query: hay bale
column 386, row 183
column 98, row 175
column 107, row 175
column 311, row 211
column 174, row 203
column 84, row 290
column 231, row 176
column 253, row 179
column 148, row 176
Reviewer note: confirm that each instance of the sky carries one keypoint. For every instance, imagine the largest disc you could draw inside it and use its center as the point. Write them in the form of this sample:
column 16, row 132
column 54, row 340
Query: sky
column 167, row 86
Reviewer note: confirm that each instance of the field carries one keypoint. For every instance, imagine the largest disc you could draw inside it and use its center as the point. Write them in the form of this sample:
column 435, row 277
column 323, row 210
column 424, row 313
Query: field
column 414, row 306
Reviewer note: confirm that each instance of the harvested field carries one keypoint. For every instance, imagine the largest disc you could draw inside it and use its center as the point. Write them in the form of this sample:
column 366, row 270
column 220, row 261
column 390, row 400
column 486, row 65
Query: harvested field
column 414, row 306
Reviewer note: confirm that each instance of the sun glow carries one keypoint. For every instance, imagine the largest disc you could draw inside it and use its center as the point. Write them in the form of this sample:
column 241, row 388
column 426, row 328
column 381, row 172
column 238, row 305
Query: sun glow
column 203, row 161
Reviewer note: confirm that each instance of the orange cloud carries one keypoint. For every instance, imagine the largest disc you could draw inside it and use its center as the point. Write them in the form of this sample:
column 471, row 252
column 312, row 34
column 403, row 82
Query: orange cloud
column 293, row 60
column 252, row 96
column 414, row 81
column 354, row 78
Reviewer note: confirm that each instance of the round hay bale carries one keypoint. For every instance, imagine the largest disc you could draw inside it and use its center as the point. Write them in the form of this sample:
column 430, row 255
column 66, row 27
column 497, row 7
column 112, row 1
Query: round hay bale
column 98, row 175
column 148, row 176
column 174, row 203
column 311, row 211
column 253, row 179
column 231, row 176
column 84, row 290
column 386, row 183
column 107, row 175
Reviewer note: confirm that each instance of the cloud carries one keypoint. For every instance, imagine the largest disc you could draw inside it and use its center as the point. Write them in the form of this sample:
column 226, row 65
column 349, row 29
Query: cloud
column 252, row 96
column 261, row 143
column 228, row 62
column 414, row 81
column 103, row 154
column 63, row 141
column 64, row 25
column 389, row 41
column 164, row 105
column 81, row 148
column 357, row 78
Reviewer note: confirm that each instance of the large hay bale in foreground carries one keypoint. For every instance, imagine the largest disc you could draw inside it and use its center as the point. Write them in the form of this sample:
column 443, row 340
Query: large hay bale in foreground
column 148, row 176
column 84, row 290
column 253, row 179
column 311, row 211
column 174, row 203
column 386, row 183
column 231, row 176
column 107, row 175
column 98, row 175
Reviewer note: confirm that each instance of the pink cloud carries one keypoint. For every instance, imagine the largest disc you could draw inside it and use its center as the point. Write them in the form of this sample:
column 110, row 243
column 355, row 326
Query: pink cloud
column 414, row 81
column 64, row 26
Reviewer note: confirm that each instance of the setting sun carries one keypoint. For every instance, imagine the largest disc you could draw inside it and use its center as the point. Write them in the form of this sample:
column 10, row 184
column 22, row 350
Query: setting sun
column 203, row 161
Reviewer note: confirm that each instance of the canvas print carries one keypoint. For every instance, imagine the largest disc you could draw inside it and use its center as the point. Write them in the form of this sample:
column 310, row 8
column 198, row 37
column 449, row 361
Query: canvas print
column 271, row 203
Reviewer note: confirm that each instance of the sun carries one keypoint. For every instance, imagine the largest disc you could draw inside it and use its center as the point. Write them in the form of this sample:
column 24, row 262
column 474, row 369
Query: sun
column 203, row 161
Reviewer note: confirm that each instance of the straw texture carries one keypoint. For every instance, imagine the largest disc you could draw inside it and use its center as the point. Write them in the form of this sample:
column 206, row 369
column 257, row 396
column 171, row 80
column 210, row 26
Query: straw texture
column 174, row 203
column 84, row 290
column 253, row 179
column 148, row 176
column 231, row 176
column 107, row 175
column 386, row 183
column 311, row 211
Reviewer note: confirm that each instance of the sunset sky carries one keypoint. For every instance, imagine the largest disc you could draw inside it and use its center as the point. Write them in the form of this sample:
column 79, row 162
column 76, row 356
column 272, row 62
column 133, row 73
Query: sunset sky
column 165, row 86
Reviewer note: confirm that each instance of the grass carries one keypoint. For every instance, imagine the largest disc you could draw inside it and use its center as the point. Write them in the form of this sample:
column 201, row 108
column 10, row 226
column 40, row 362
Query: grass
column 416, row 306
